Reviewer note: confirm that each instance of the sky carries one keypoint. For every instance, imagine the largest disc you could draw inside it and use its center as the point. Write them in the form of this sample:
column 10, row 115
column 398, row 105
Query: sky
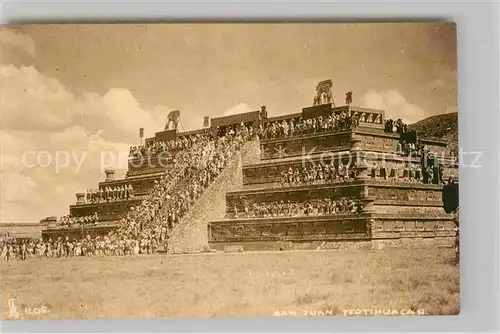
column 72, row 96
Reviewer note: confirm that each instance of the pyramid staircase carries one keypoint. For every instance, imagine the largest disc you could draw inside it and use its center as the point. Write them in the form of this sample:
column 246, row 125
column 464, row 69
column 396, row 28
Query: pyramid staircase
column 142, row 175
column 393, row 209
column 190, row 234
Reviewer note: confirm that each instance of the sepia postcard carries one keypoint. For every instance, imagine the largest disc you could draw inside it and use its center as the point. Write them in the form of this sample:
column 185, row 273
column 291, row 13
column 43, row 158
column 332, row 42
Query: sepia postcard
column 229, row 170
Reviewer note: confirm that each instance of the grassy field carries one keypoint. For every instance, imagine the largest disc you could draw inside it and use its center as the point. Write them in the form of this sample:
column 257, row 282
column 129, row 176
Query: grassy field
column 234, row 285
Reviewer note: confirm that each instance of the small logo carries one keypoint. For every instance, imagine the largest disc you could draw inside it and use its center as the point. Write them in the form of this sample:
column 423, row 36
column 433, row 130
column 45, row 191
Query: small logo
column 25, row 311
column 13, row 313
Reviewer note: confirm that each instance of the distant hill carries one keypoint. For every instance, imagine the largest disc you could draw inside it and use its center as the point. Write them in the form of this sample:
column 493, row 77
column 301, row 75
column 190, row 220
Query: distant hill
column 444, row 126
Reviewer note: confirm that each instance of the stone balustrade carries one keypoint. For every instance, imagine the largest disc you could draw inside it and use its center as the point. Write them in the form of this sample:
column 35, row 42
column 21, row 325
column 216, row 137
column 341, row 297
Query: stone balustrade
column 367, row 229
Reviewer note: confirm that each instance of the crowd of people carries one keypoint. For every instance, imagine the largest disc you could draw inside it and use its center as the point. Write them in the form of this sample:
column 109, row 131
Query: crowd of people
column 428, row 173
column 156, row 147
column 413, row 173
column 199, row 159
column 397, row 126
column 145, row 228
column 317, row 174
column 110, row 194
column 405, row 146
column 108, row 245
column 288, row 128
column 11, row 249
column 72, row 221
column 172, row 197
column 319, row 207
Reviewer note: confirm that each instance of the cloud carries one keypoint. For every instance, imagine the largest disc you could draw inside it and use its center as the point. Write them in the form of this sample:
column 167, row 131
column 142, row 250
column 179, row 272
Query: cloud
column 395, row 105
column 55, row 143
column 237, row 109
column 119, row 113
column 18, row 192
column 51, row 168
column 11, row 39
column 16, row 187
column 31, row 101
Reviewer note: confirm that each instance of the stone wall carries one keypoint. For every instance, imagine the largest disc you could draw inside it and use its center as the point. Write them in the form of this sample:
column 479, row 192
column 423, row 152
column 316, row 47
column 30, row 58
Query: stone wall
column 369, row 140
column 436, row 146
column 451, row 172
column 319, row 245
column 408, row 230
column 431, row 209
column 411, row 226
column 141, row 184
column 327, row 232
column 405, row 193
column 373, row 141
column 339, row 227
column 303, row 145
